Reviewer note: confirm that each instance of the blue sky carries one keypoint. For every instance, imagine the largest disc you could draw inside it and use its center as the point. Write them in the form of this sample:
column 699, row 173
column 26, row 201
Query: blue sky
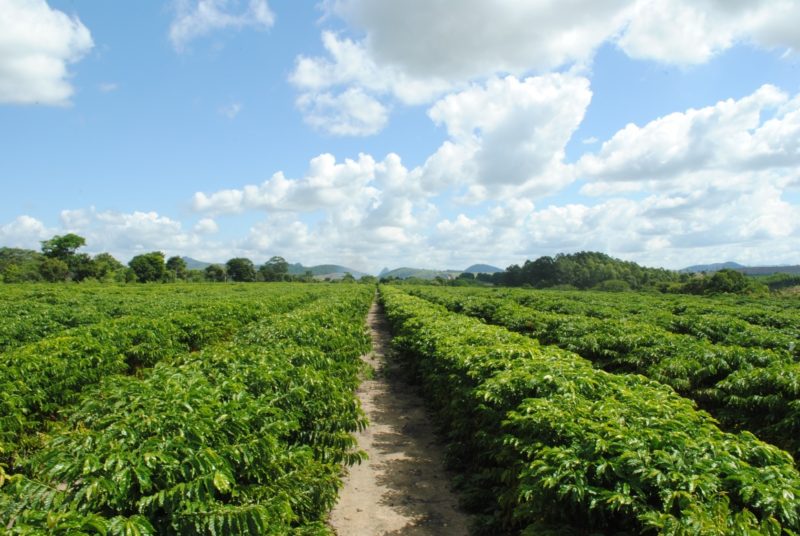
column 429, row 133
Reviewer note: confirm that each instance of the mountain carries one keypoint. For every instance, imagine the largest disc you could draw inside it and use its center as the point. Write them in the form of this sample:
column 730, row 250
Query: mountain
column 194, row 264
column 483, row 269
column 421, row 273
column 716, row 267
column 321, row 271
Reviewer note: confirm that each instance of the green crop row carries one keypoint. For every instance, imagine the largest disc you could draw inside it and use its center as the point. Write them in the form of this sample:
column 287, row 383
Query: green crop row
column 548, row 444
column 242, row 437
column 745, row 388
column 749, row 322
column 38, row 380
column 30, row 312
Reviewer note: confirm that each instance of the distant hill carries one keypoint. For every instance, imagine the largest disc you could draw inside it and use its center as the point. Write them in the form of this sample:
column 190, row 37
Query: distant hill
column 747, row 270
column 321, row 271
column 194, row 264
column 405, row 273
column 483, row 269
column 716, row 267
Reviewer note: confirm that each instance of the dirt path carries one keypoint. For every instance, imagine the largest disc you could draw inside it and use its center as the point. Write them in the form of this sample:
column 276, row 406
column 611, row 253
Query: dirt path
column 402, row 489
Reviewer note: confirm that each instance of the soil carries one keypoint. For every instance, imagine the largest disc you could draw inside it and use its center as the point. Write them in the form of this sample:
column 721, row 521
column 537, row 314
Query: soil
column 403, row 488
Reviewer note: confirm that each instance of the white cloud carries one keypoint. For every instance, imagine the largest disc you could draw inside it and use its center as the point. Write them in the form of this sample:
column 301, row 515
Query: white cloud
column 206, row 226
column 37, row 44
column 327, row 184
column 687, row 32
column 509, row 136
column 715, row 143
column 197, row 18
column 416, row 51
column 127, row 234
column 108, row 87
column 350, row 113
column 24, row 232
column 473, row 38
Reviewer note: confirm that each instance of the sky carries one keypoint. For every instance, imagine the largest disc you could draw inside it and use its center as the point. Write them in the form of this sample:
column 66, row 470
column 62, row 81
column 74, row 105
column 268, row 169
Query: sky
column 424, row 133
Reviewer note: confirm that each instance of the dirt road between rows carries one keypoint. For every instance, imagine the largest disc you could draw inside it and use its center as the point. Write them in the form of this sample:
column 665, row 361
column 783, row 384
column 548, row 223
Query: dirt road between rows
column 402, row 489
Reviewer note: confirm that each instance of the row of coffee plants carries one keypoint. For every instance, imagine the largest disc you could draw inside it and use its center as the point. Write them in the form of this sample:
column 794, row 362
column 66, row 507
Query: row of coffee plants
column 548, row 444
column 736, row 320
column 29, row 313
column 757, row 389
column 39, row 379
column 243, row 437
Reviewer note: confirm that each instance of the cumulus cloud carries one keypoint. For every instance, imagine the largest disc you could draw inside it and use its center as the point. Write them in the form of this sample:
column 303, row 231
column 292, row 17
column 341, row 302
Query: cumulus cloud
column 206, row 226
column 509, row 136
column 350, row 113
column 454, row 40
column 470, row 38
column 125, row 234
column 37, row 43
column 759, row 132
column 453, row 44
column 197, row 18
column 24, row 232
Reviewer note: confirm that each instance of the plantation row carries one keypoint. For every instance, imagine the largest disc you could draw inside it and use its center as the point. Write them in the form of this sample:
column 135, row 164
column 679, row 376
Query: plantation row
column 745, row 387
column 200, row 418
column 549, row 444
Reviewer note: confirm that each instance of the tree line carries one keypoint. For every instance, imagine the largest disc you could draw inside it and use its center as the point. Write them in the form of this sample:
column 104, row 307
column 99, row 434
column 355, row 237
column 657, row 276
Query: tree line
column 59, row 260
column 591, row 270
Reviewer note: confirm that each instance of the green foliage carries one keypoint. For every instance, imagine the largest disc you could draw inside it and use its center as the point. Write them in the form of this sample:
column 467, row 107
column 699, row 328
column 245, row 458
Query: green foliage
column 19, row 265
column 215, row 273
column 241, row 269
column 275, row 269
column 53, row 270
column 148, row 267
column 547, row 442
column 582, row 270
column 62, row 246
column 107, row 267
column 194, row 435
column 724, row 281
column 697, row 351
column 177, row 267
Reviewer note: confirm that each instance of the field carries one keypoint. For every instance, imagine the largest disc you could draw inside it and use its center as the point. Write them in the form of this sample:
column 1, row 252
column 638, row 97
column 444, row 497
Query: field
column 230, row 409
column 195, row 409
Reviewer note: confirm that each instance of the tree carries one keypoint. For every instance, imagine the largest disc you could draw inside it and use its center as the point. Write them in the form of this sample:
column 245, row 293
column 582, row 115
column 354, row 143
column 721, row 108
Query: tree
column 107, row 267
column 53, row 270
column 241, row 269
column 81, row 266
column 215, row 272
column 18, row 265
column 275, row 269
column 177, row 266
column 62, row 247
column 148, row 266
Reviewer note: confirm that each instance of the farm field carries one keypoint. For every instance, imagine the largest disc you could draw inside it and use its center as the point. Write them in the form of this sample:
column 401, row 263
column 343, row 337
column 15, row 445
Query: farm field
column 231, row 408
column 195, row 409
column 548, row 443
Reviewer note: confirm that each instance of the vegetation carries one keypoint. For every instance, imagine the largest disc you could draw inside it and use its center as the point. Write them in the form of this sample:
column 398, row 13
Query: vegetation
column 583, row 270
column 549, row 445
column 217, row 411
column 741, row 372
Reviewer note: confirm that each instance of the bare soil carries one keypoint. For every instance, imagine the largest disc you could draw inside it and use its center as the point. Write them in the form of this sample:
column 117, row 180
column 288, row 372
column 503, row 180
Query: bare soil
column 402, row 489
